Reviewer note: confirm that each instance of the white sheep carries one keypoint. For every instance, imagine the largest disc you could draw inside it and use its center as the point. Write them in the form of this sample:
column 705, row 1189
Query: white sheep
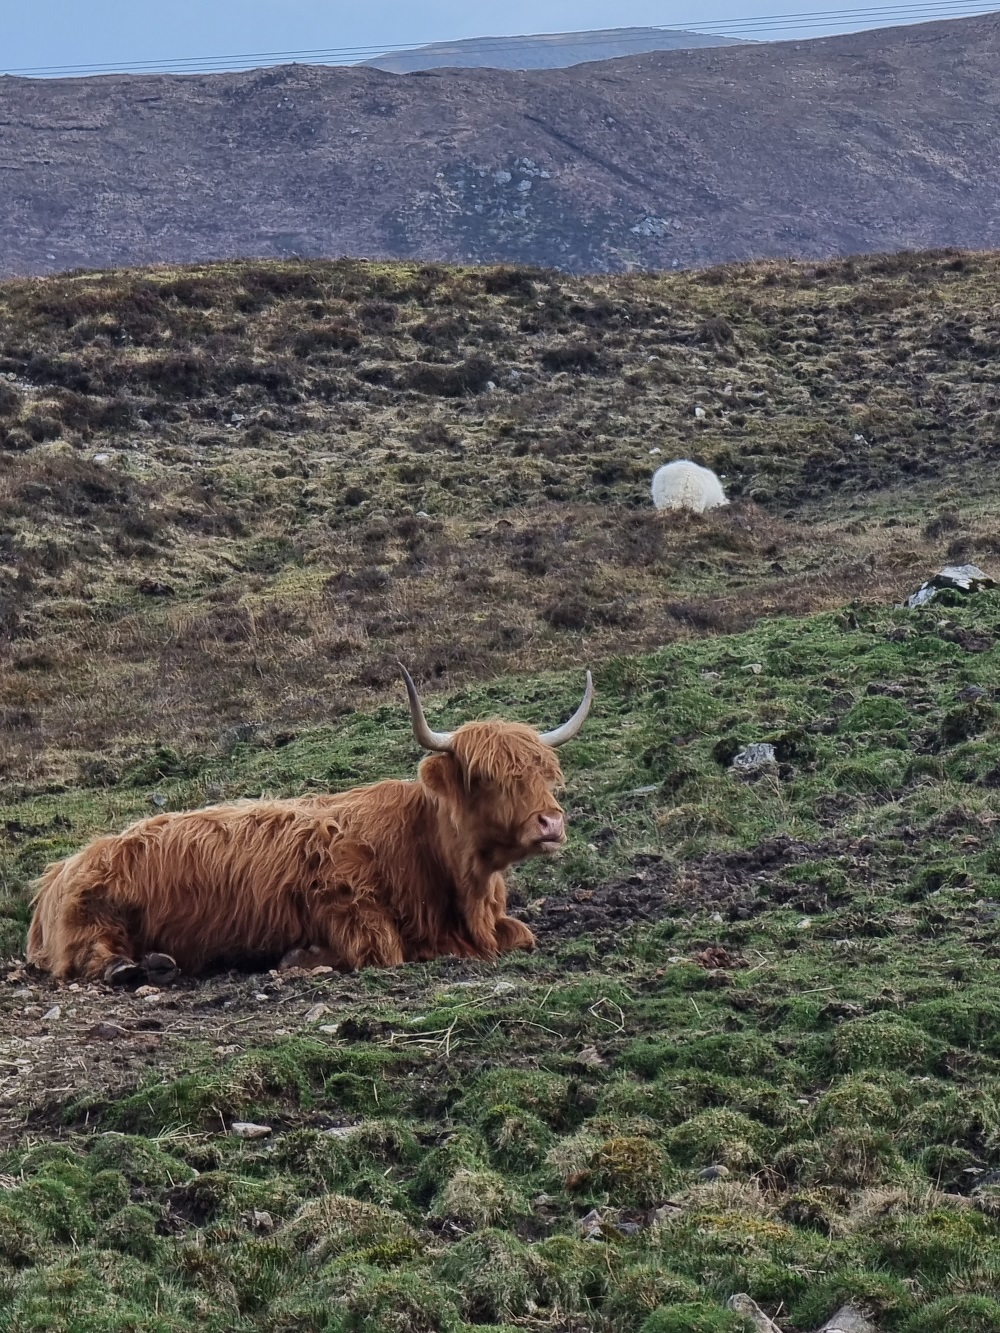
column 684, row 485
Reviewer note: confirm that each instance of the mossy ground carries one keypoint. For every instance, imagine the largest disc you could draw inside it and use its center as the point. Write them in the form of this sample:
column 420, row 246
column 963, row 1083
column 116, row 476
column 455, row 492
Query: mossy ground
column 791, row 977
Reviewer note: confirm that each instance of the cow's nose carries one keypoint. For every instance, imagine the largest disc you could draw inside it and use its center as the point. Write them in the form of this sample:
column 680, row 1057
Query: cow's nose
column 550, row 827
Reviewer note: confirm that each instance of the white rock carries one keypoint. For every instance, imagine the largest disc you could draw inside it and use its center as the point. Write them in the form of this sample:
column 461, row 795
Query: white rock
column 699, row 412
column 52, row 1014
column 749, row 1309
column 101, row 458
column 246, row 1129
column 848, row 1319
column 314, row 1014
column 331, row 1029
column 804, row 924
column 755, row 758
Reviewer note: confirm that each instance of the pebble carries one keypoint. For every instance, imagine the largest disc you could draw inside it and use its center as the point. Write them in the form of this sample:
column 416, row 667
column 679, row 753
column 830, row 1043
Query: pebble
column 141, row 992
column 32, row 1011
column 105, row 1032
column 226, row 1050
column 340, row 1131
column 715, row 1172
column 589, row 1057
column 314, row 1014
column 589, row 1226
column 804, row 924
column 246, row 1129
column 52, row 1014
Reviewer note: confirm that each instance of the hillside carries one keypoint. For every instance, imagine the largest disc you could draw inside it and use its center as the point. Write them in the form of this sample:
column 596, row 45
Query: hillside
column 872, row 141
column 232, row 497
column 544, row 50
column 757, row 1050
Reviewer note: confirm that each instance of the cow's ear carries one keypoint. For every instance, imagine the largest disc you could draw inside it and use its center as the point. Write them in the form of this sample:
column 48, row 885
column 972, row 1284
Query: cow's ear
column 443, row 775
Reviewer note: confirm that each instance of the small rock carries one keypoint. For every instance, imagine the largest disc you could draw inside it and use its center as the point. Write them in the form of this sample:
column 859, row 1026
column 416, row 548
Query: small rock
column 544, row 1200
column 655, row 451
column 971, row 693
column 666, row 1213
column 589, row 1226
column 143, row 992
column 699, row 412
column 756, row 758
column 742, row 1304
column 422, row 513
column 331, row 1029
column 261, row 1220
column 715, row 1172
column 321, row 971
column 246, row 1129
column 260, row 997
column 158, row 799
column 848, row 1319
column 755, row 668
column 52, row 1014
column 964, row 578
column 314, row 1014
column 226, row 1050
column 804, row 924
column 32, row 1011
column 340, row 1131
column 101, row 458
column 105, row 1032
column 628, row 1228
column 588, row 1057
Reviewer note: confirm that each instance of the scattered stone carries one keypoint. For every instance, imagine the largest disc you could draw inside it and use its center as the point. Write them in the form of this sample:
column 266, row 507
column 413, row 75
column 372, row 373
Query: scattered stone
column 666, row 1213
column 246, row 1129
column 588, row 1058
column 589, row 1226
column 714, row 1172
column 105, row 1032
column 52, row 1014
column 742, row 1304
column 226, row 1050
column 759, row 758
column 628, row 1228
column 804, row 924
column 848, row 1319
column 331, row 1029
column 261, row 1220
column 314, row 1014
column 971, row 694
column 699, row 413
column 321, row 971
column 32, row 1011
column 755, row 668
column 340, row 1131
column 143, row 992
column 963, row 578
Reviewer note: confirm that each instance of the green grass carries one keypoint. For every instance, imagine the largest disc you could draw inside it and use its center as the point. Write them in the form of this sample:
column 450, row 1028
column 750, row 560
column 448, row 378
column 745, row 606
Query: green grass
column 844, row 1066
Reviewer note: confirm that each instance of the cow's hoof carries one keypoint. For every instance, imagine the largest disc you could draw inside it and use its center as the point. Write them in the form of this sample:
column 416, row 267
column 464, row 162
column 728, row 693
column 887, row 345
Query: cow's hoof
column 160, row 968
column 124, row 972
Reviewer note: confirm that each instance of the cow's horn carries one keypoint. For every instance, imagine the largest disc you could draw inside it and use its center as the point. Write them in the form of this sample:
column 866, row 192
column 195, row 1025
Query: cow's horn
column 425, row 738
column 571, row 728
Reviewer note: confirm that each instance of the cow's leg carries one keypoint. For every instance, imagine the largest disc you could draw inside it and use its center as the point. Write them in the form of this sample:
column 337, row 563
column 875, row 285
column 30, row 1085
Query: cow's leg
column 513, row 934
column 364, row 936
column 96, row 943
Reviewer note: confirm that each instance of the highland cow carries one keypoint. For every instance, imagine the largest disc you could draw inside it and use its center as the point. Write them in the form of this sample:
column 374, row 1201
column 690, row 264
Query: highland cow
column 396, row 872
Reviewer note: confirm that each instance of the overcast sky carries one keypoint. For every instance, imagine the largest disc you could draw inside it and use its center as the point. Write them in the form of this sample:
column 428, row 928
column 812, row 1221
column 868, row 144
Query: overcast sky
column 36, row 33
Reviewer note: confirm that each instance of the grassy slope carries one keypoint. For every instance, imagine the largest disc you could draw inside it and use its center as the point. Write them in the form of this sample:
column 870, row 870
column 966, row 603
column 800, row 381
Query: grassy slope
column 252, row 548
column 847, row 1075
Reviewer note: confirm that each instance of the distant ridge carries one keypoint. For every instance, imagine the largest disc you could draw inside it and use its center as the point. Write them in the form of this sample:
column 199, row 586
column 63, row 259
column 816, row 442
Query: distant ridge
column 873, row 141
column 552, row 50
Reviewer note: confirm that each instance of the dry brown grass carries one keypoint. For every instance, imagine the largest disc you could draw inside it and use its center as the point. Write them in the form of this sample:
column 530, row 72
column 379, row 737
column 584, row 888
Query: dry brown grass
column 307, row 476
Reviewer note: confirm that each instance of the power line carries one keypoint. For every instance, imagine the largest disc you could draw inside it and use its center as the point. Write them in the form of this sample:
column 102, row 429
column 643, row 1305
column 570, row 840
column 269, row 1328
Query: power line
column 888, row 15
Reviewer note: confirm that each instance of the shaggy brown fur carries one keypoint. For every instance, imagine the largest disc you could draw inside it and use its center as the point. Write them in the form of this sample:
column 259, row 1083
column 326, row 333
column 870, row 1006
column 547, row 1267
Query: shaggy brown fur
column 398, row 871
